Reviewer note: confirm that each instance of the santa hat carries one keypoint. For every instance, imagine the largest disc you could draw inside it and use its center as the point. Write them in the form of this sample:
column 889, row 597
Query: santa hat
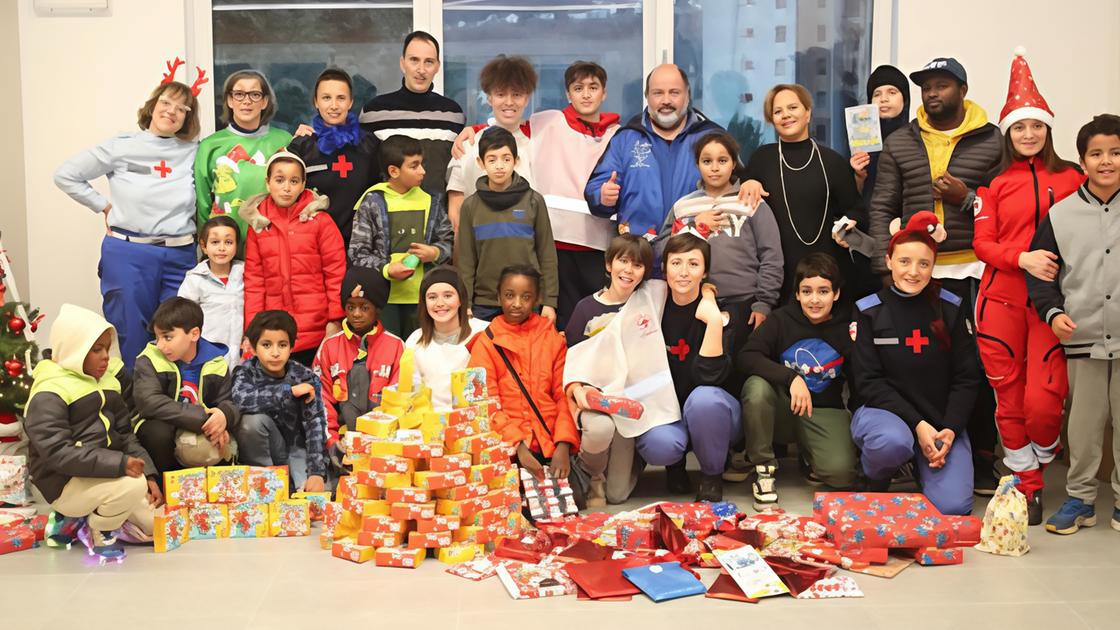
column 1023, row 98
column 924, row 225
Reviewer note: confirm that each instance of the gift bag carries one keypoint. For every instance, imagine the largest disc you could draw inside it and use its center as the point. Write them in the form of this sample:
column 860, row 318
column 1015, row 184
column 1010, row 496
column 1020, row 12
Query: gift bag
column 1004, row 531
column 14, row 485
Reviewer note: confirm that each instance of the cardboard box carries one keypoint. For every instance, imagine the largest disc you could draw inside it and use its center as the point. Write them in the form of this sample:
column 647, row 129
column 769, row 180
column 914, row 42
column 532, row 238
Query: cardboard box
column 439, row 480
column 209, row 520
column 268, row 484
column 357, row 443
column 485, row 473
column 377, row 424
column 437, row 523
column 399, row 557
column 386, row 447
column 383, row 524
column 185, row 487
column 317, row 502
column 463, row 509
column 460, row 493
column 429, row 540
column 333, row 512
column 475, row 444
column 407, row 495
column 171, row 529
column 227, row 484
column 350, row 486
column 421, row 450
column 393, row 398
column 413, row 511
column 466, row 415
column 391, row 464
column 352, row 551
column 248, row 520
column 492, row 454
column 473, row 534
column 466, row 429
column 509, row 479
column 289, row 518
column 459, row 552
column 468, row 386
column 381, row 539
column 357, row 462
column 450, row 462
column 376, row 507
column 388, row 480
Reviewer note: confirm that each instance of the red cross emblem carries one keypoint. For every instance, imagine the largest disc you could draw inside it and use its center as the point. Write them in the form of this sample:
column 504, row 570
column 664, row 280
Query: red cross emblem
column 916, row 341
column 342, row 166
column 162, row 168
column 680, row 350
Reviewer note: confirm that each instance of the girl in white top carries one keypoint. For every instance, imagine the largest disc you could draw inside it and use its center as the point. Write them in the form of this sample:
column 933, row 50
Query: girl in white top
column 217, row 284
column 439, row 346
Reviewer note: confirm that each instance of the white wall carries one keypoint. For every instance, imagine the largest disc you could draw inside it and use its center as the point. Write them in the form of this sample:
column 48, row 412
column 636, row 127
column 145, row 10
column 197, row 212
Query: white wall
column 1072, row 46
column 82, row 80
column 13, row 215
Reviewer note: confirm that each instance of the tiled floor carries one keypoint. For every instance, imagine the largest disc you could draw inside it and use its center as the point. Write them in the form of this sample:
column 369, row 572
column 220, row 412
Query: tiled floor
column 1063, row 583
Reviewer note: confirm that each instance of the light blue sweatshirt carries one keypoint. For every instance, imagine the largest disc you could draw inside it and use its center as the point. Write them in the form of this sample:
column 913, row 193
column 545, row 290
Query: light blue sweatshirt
column 151, row 182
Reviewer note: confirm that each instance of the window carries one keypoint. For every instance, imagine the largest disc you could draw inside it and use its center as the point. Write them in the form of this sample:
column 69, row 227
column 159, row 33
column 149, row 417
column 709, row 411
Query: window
column 822, row 33
column 708, row 46
column 608, row 33
column 292, row 43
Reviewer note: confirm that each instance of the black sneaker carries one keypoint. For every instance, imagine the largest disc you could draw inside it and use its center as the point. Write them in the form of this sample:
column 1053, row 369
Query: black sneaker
column 1034, row 508
column 676, row 479
column 711, row 489
column 807, row 473
column 866, row 484
column 985, row 478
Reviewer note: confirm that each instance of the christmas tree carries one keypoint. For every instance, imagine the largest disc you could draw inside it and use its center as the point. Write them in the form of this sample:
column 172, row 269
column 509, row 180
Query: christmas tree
column 18, row 351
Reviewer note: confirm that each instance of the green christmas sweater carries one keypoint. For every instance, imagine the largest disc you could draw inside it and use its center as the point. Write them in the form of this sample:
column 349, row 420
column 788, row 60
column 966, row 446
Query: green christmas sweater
column 230, row 168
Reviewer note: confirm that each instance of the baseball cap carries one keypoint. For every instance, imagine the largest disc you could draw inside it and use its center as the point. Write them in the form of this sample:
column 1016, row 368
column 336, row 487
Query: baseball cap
column 947, row 65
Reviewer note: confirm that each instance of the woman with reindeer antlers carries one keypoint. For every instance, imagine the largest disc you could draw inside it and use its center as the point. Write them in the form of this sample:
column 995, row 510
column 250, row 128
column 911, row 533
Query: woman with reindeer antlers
column 149, row 224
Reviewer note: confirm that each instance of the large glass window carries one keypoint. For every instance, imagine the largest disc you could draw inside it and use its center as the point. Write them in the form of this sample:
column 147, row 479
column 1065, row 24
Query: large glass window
column 827, row 43
column 291, row 43
column 608, row 33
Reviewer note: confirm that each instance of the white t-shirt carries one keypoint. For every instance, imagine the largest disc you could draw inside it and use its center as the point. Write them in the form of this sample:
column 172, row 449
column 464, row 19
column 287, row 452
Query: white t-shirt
column 436, row 361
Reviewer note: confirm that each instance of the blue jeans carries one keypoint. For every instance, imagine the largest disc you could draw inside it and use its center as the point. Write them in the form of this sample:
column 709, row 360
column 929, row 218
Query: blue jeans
column 260, row 443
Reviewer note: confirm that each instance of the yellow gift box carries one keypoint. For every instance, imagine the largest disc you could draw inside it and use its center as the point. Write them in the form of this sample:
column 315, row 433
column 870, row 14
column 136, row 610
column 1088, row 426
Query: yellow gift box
column 407, row 495
column 511, row 478
column 227, row 484
column 449, row 462
column 438, row 523
column 383, row 524
column 463, row 509
column 171, row 528
column 413, row 511
column 474, row 534
column 380, row 539
column 406, row 368
column 399, row 557
column 421, row 450
column 351, row 486
column 461, row 493
column 459, row 552
column 476, row 444
column 468, row 386
column 317, row 501
column 356, row 443
column 209, row 520
column 358, row 462
column 185, row 487
column 439, row 480
column 411, row 420
column 431, row 432
column 485, row 473
column 377, row 424
column 375, row 507
column 352, row 551
column 429, row 540
column 248, row 520
column 386, row 447
column 392, row 397
column 493, row 454
column 391, row 464
column 289, row 518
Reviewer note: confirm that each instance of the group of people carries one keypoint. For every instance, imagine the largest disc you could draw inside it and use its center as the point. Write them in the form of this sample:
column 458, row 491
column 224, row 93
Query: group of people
column 634, row 292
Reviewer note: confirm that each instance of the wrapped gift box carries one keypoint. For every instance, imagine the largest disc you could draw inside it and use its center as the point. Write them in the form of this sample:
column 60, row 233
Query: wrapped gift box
column 351, row 486
column 628, row 530
column 352, row 551
column 383, row 524
column 409, row 494
column 227, row 484
column 465, row 429
column 14, row 480
column 268, row 484
column 356, row 442
column 289, row 518
column 437, row 523
column 467, row 415
column 399, row 557
column 316, row 501
column 475, row 444
column 413, row 511
column 388, row 480
column 774, row 525
column 418, row 449
column 889, row 520
column 391, row 464
column 248, row 520
column 209, row 520
column 459, row 552
column 485, row 473
column 931, row 556
column 377, row 424
column 511, row 478
column 185, row 487
column 480, row 568
column 548, row 498
column 429, row 540
column 473, row 534
column 381, row 539
column 19, row 538
column 382, row 447
column 463, row 509
column 491, row 455
column 439, row 480
column 468, row 386
column 532, row 581
column 461, row 493
column 171, row 529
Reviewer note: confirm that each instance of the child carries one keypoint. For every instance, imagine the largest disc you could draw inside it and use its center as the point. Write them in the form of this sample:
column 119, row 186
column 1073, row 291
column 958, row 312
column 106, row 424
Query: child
column 84, row 457
column 1080, row 233
column 505, row 222
column 915, row 367
column 629, row 263
column 524, row 360
column 509, row 83
column 181, row 390
column 397, row 221
column 746, row 246
column 217, row 284
column 797, row 364
column 298, row 266
column 363, row 296
column 284, row 422
column 440, row 344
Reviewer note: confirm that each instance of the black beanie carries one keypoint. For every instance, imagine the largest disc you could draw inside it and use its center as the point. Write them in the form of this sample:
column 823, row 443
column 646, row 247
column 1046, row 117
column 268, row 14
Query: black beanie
column 375, row 287
column 444, row 273
column 889, row 75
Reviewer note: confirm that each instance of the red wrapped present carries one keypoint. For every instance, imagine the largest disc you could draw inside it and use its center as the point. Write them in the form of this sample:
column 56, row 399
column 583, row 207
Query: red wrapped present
column 20, row 538
column 775, row 524
column 930, row 556
column 870, row 520
column 699, row 520
column 531, row 581
column 628, row 530
column 796, row 575
column 475, row 570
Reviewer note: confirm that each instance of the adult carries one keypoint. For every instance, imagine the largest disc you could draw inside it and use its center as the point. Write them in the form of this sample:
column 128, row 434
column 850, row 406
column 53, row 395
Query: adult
column 417, row 111
column 149, row 227
column 676, row 372
column 938, row 162
column 915, row 368
column 649, row 163
column 808, row 185
column 341, row 157
column 889, row 90
column 230, row 166
column 1021, row 354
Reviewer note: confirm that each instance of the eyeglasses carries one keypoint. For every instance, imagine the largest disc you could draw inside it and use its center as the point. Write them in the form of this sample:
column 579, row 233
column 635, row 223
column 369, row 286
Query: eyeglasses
column 175, row 107
column 254, row 97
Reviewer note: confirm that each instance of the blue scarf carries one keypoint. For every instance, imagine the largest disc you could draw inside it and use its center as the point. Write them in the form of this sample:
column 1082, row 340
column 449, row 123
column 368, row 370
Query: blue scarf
column 331, row 138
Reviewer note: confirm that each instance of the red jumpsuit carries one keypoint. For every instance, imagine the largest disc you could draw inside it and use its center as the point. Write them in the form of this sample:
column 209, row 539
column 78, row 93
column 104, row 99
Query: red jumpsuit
column 1022, row 358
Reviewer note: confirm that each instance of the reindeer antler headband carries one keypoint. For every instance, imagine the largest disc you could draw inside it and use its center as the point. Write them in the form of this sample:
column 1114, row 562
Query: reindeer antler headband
column 173, row 67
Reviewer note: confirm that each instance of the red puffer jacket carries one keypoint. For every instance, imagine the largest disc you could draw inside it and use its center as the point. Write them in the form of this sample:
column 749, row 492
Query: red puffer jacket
column 294, row 261
column 1007, row 214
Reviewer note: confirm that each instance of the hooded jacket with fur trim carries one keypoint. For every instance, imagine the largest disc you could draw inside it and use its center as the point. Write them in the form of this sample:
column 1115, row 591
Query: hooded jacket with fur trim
column 294, row 261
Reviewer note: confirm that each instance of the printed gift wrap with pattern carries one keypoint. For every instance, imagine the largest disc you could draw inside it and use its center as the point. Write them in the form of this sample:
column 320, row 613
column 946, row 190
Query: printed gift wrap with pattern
column 316, row 501
column 248, row 520
column 289, row 518
column 209, row 520
column 855, row 519
column 185, row 487
column 14, row 480
column 171, row 529
column 227, row 484
column 268, row 484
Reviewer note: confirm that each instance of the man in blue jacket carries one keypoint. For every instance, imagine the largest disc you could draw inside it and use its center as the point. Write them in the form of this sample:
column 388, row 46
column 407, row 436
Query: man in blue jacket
column 649, row 163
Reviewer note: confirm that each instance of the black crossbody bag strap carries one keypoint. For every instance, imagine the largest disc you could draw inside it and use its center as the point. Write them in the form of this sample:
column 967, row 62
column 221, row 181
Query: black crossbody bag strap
column 524, row 392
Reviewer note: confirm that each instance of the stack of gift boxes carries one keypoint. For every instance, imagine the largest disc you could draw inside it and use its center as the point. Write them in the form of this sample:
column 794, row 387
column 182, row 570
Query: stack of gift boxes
column 425, row 481
column 232, row 502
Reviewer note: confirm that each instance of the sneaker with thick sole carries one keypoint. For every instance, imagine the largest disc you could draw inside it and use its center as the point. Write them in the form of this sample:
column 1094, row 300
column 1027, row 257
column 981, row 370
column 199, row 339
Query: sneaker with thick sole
column 61, row 530
column 738, row 468
column 765, row 494
column 711, row 489
column 1072, row 516
column 807, row 473
column 1034, row 508
column 103, row 545
column 676, row 479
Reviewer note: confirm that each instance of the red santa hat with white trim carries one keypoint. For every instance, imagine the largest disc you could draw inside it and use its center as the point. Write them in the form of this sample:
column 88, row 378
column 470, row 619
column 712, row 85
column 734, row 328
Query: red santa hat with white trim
column 1023, row 98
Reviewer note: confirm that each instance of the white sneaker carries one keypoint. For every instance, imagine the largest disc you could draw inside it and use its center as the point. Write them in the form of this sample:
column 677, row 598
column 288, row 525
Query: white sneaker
column 765, row 495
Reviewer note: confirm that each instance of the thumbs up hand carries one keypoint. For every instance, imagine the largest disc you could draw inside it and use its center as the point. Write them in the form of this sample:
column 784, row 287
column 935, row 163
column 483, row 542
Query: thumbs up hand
column 608, row 193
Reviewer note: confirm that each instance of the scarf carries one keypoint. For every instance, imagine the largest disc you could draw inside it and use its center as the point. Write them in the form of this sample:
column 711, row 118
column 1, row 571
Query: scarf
column 331, row 138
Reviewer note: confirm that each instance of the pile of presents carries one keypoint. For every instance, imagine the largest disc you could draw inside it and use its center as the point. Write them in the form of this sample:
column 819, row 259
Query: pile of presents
column 657, row 550
column 232, row 502
column 20, row 527
column 429, row 482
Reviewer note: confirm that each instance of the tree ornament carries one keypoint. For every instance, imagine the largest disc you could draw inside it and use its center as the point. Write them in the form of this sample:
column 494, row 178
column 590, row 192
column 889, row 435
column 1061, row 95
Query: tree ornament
column 14, row 367
column 15, row 324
